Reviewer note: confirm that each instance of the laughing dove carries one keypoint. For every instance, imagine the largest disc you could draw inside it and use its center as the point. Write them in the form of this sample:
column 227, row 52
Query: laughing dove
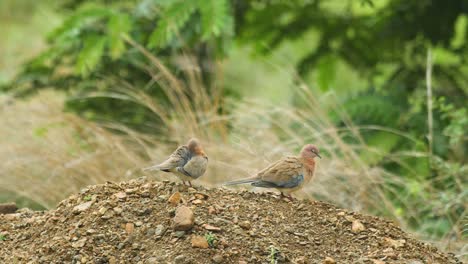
column 287, row 174
column 188, row 162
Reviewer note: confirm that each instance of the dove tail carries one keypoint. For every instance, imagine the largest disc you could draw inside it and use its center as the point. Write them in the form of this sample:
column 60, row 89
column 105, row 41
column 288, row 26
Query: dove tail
column 242, row 181
column 156, row 167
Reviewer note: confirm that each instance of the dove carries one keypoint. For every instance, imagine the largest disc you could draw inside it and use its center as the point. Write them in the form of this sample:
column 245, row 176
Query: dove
column 288, row 174
column 188, row 162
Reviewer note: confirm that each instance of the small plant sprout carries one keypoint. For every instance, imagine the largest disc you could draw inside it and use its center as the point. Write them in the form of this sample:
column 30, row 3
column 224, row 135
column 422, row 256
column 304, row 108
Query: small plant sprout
column 3, row 237
column 88, row 198
column 211, row 239
column 274, row 254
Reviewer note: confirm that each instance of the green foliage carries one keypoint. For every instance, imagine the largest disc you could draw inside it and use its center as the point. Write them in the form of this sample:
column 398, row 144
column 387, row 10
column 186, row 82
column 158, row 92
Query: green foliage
column 211, row 239
column 274, row 254
column 3, row 237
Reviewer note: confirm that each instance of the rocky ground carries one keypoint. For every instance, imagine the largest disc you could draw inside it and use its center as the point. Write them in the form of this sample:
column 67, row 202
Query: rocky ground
column 162, row 222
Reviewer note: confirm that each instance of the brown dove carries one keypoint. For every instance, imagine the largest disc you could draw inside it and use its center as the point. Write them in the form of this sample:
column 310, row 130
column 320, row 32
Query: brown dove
column 288, row 174
column 188, row 162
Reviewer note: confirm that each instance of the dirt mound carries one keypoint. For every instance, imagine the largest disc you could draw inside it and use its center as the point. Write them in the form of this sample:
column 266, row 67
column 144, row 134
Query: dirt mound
column 143, row 222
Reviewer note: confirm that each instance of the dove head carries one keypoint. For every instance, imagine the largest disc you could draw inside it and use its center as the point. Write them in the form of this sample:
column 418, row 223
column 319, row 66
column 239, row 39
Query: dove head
column 194, row 146
column 310, row 151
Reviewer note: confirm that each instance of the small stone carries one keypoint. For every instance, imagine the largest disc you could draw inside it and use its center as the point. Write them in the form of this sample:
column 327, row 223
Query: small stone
column 152, row 260
column 118, row 210
column 109, row 214
column 183, row 219
column 340, row 214
column 130, row 191
column 201, row 196
column 129, row 228
column 242, row 262
column 245, row 225
column 179, row 234
column 357, row 226
column 300, row 260
column 394, row 243
column 138, row 223
column 211, row 210
column 80, row 243
column 160, row 230
column 377, row 261
column 181, row 259
column 175, row 198
column 199, row 242
column 82, row 207
column 218, row 258
column 112, row 260
column 197, row 201
column 211, row 228
column 102, row 210
column 329, row 260
column 121, row 195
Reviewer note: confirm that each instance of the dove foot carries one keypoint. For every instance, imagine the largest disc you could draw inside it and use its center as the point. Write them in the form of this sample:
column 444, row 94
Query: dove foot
column 289, row 197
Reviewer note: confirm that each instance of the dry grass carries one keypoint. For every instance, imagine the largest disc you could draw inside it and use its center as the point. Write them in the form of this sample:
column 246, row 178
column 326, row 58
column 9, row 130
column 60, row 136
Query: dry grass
column 48, row 154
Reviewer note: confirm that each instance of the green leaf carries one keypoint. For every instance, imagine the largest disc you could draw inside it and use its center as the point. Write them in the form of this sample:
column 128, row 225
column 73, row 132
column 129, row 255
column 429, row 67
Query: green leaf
column 118, row 25
column 72, row 26
column 459, row 38
column 215, row 17
column 174, row 18
column 90, row 55
column 326, row 72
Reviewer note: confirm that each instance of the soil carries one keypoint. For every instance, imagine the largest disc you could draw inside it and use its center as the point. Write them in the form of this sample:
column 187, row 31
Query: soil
column 133, row 222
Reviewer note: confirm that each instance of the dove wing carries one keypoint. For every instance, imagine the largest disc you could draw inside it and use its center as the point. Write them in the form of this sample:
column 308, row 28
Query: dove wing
column 285, row 173
column 195, row 167
column 177, row 159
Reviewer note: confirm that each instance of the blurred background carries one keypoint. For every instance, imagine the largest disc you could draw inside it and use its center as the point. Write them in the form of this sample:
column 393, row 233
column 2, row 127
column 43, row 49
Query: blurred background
column 92, row 91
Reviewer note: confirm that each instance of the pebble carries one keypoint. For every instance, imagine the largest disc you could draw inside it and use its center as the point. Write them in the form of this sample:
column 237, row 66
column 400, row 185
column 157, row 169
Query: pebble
column 82, row 207
column 245, row 225
column 179, row 234
column 211, row 210
column 121, row 195
column 160, row 230
column 80, row 243
column 394, row 243
column 211, row 228
column 329, row 260
column 152, row 260
column 102, row 210
column 112, row 260
column 175, row 198
column 183, row 219
column 129, row 228
column 181, row 259
column 357, row 226
column 199, row 242
column 218, row 258
column 197, row 201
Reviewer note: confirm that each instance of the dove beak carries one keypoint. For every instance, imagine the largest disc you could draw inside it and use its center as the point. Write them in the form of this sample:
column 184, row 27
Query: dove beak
column 318, row 155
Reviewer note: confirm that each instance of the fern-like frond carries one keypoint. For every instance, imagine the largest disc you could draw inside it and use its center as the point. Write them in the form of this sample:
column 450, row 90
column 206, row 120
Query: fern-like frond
column 91, row 54
column 215, row 17
column 174, row 18
column 118, row 25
